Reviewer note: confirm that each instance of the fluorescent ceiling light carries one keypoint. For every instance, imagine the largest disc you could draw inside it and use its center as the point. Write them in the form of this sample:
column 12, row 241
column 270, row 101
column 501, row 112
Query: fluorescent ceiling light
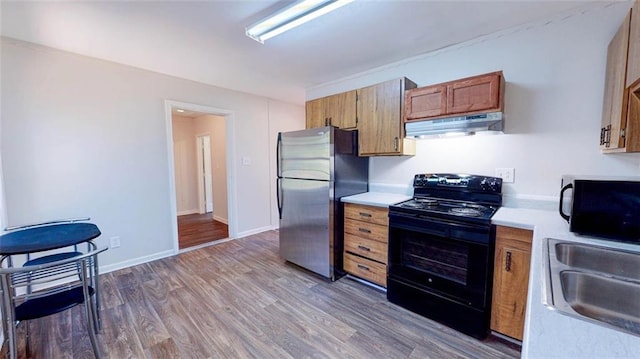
column 292, row 16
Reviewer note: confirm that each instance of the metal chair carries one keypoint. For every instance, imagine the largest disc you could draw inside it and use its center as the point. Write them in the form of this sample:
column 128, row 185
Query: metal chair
column 38, row 290
column 46, row 257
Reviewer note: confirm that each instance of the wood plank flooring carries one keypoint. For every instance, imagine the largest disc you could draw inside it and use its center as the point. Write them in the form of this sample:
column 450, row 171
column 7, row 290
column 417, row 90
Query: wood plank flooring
column 196, row 229
column 240, row 300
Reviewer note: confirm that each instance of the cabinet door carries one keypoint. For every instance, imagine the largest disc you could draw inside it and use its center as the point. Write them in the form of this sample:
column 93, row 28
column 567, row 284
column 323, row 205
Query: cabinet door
column 315, row 113
column 379, row 117
column 614, row 109
column 340, row 109
column 633, row 65
column 510, row 280
column 475, row 94
column 425, row 102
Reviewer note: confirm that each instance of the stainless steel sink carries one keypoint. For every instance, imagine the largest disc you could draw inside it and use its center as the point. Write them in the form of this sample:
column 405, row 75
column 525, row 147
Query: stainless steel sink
column 594, row 283
column 599, row 259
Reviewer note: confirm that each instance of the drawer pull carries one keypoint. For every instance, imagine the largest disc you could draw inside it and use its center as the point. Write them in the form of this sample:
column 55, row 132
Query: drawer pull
column 364, row 214
column 364, row 230
column 360, row 246
column 361, row 266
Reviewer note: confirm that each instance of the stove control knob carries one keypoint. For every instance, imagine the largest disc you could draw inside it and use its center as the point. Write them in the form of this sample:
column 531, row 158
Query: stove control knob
column 484, row 185
column 493, row 185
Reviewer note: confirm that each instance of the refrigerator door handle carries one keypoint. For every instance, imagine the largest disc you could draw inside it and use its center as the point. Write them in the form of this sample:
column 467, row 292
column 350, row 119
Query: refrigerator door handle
column 279, row 196
column 279, row 143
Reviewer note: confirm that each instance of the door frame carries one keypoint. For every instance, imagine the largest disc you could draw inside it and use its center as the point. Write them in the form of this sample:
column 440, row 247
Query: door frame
column 229, row 117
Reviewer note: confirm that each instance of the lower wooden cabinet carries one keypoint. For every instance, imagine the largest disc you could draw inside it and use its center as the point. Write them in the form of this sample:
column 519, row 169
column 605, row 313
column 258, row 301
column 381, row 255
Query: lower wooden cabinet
column 366, row 232
column 366, row 269
column 510, row 280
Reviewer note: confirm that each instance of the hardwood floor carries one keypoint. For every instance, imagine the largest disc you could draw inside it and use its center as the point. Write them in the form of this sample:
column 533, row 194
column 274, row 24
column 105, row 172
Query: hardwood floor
column 238, row 299
column 197, row 229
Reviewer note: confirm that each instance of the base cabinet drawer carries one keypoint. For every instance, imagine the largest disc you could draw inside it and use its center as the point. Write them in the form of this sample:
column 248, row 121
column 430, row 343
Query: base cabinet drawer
column 366, row 269
column 367, row 230
column 377, row 215
column 374, row 250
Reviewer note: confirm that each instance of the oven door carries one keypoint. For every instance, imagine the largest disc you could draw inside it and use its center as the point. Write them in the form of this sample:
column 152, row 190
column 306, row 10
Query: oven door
column 448, row 258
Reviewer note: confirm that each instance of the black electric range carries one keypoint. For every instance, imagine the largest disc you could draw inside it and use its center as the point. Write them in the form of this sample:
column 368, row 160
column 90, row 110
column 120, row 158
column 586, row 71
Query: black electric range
column 441, row 246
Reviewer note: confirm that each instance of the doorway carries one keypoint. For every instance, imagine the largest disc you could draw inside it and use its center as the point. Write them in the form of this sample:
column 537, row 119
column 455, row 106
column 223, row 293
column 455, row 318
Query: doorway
column 200, row 172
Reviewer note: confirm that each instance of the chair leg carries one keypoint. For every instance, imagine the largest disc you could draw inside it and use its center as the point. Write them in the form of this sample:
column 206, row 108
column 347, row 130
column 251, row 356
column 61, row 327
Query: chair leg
column 89, row 311
column 96, row 314
column 90, row 328
column 96, row 273
column 13, row 345
column 8, row 322
column 28, row 339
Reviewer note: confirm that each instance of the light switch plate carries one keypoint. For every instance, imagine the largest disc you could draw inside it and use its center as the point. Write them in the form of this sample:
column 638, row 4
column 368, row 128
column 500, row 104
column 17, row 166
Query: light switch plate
column 246, row 161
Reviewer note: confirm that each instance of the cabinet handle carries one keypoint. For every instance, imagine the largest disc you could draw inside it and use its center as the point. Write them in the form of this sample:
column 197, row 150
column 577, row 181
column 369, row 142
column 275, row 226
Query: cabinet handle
column 395, row 143
column 605, row 136
column 364, row 230
column 363, row 214
column 326, row 121
column 360, row 246
column 361, row 266
column 507, row 262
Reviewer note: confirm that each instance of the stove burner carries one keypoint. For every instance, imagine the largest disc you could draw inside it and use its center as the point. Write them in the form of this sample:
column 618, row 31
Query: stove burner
column 421, row 203
column 466, row 211
column 427, row 201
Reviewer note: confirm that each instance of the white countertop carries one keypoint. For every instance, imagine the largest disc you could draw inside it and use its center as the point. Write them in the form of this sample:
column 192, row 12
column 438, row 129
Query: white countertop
column 378, row 199
column 548, row 333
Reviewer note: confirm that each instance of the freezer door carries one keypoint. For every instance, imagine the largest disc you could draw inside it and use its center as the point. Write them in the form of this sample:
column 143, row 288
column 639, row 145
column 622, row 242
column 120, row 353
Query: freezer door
column 305, row 154
column 306, row 226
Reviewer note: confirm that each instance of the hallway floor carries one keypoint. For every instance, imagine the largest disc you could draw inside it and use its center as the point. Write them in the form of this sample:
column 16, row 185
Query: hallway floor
column 197, row 229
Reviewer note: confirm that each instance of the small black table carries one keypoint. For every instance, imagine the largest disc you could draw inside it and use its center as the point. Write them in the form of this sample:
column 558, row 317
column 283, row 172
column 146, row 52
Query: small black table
column 44, row 238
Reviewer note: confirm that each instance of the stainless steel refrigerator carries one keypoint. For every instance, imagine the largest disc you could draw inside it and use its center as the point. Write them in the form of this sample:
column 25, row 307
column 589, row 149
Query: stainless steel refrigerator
column 317, row 167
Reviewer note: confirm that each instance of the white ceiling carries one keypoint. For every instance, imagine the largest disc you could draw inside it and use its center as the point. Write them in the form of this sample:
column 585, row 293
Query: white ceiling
column 204, row 41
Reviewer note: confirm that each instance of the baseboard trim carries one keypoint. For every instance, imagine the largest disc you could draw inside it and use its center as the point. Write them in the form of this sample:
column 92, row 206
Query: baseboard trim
column 255, row 231
column 189, row 211
column 221, row 220
column 135, row 261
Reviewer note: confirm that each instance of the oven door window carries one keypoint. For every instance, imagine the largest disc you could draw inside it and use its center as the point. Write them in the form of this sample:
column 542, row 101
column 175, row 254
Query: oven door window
column 442, row 261
column 446, row 259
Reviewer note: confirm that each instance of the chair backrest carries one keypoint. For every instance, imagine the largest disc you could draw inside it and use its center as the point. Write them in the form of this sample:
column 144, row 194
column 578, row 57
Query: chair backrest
column 34, row 281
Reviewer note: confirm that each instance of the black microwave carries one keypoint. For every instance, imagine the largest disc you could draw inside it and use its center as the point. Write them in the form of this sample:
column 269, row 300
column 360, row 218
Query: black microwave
column 602, row 207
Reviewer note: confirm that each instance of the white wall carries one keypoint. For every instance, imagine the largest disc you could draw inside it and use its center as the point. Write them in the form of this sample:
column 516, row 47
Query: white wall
column 555, row 79
column 214, row 126
column 85, row 137
column 185, row 166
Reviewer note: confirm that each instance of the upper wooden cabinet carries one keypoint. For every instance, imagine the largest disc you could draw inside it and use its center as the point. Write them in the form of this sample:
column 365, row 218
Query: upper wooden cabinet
column 633, row 66
column 380, row 112
column 620, row 130
column 483, row 93
column 427, row 101
column 336, row 110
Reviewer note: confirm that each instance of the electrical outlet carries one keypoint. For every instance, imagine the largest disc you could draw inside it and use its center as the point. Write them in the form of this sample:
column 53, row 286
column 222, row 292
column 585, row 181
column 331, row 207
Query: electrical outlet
column 507, row 174
column 115, row 242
